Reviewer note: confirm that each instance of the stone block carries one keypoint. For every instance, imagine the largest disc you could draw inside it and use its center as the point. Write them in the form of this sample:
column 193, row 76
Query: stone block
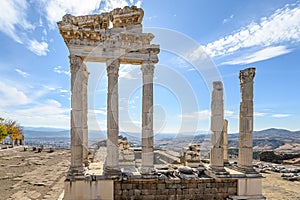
column 185, row 191
column 161, row 186
column 216, row 123
column 145, row 192
column 171, row 185
column 232, row 190
column 126, row 186
column 171, row 191
column 117, row 186
column 179, row 191
column 137, row 192
column 249, row 186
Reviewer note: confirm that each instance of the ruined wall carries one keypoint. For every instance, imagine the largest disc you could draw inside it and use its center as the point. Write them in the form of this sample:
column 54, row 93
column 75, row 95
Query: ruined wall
column 274, row 157
column 204, row 188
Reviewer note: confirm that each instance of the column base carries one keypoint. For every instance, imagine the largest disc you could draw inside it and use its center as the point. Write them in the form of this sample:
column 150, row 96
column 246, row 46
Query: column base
column 217, row 172
column 147, row 170
column 249, row 197
column 112, row 172
column 246, row 169
column 75, row 172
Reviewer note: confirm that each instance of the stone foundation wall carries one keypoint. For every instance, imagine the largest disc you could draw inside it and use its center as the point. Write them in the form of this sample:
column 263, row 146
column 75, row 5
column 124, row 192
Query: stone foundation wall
column 202, row 188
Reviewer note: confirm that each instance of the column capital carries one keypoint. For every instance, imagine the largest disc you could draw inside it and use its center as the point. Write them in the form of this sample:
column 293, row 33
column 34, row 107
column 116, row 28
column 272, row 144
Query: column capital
column 75, row 62
column 217, row 85
column 148, row 67
column 112, row 66
column 247, row 75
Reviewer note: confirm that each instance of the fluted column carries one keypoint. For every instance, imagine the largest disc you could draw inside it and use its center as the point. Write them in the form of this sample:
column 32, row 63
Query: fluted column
column 112, row 158
column 79, row 129
column 246, row 120
column 217, row 120
column 147, row 118
column 225, row 141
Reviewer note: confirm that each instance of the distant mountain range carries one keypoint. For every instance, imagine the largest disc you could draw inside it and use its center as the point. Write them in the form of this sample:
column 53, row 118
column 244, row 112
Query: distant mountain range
column 269, row 139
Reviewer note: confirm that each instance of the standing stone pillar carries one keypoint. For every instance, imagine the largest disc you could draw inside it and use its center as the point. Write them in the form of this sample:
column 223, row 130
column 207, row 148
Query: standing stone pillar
column 79, row 129
column 112, row 158
column 217, row 120
column 246, row 120
column 225, row 141
column 147, row 118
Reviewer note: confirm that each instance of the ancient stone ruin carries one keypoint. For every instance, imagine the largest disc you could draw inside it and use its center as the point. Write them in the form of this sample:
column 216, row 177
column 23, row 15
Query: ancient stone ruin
column 117, row 37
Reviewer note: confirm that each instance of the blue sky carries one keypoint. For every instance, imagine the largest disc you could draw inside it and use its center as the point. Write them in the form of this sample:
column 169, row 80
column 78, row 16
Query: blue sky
column 35, row 78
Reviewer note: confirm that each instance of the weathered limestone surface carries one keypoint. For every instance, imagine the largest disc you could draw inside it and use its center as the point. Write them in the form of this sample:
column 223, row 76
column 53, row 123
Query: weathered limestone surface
column 93, row 39
column 217, row 121
column 225, row 141
column 191, row 155
column 246, row 120
column 147, row 118
column 79, row 77
column 90, row 36
column 112, row 160
column 193, row 188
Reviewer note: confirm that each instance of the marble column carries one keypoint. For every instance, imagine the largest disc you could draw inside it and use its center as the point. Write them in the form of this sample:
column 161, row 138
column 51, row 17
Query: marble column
column 79, row 129
column 217, row 121
column 112, row 159
column 246, row 120
column 147, row 119
column 225, row 141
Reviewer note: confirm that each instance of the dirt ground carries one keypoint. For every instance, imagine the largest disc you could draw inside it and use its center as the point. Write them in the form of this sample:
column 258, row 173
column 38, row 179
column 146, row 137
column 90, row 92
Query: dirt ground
column 275, row 188
column 31, row 175
column 28, row 175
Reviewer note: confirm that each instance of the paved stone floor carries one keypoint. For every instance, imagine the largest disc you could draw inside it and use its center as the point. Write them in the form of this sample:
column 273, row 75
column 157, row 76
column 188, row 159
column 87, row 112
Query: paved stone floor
column 30, row 175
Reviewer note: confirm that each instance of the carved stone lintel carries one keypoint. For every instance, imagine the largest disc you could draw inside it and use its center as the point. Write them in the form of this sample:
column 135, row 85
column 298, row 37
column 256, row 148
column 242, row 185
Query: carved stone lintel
column 92, row 27
column 126, row 16
column 246, row 75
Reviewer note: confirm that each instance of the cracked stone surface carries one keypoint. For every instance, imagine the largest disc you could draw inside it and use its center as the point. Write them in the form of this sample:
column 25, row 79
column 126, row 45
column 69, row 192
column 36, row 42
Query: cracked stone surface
column 29, row 175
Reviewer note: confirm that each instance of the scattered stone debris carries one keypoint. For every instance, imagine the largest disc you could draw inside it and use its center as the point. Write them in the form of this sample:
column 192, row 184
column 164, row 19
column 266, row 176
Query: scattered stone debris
column 27, row 175
column 51, row 150
column 287, row 173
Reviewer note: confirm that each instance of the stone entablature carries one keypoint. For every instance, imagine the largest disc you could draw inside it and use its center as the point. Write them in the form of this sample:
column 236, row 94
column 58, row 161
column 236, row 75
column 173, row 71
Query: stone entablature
column 124, row 39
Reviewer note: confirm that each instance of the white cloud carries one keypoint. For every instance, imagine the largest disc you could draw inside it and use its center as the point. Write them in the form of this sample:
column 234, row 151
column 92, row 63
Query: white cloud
column 63, row 91
column 282, row 27
column 203, row 114
column 101, row 112
column 228, row 19
column 13, row 19
column 47, row 114
column 125, row 71
column 267, row 53
column 22, row 73
column 228, row 113
column 59, row 70
column 12, row 96
column 39, row 48
column 280, row 115
column 259, row 114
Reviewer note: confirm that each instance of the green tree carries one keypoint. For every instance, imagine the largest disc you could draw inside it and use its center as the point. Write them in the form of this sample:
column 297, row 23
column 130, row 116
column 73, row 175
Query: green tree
column 14, row 130
column 3, row 130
